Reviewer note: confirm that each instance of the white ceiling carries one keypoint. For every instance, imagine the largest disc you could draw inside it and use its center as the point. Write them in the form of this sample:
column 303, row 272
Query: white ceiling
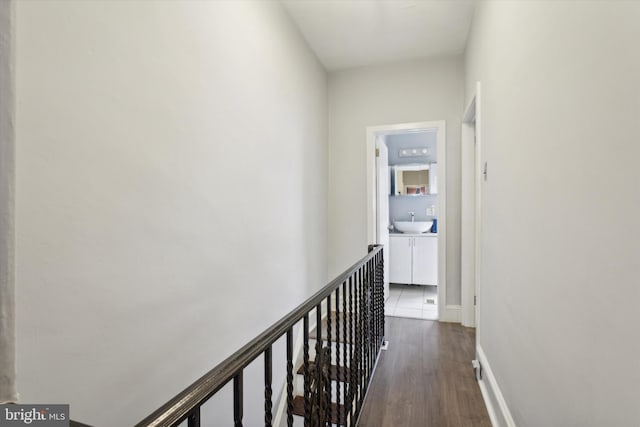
column 353, row 33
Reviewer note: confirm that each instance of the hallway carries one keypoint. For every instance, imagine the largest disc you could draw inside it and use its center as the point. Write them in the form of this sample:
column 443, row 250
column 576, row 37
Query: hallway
column 425, row 378
column 155, row 155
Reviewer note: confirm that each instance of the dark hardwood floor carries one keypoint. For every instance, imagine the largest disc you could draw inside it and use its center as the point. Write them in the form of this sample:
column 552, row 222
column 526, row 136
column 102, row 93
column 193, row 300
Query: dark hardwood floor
column 425, row 378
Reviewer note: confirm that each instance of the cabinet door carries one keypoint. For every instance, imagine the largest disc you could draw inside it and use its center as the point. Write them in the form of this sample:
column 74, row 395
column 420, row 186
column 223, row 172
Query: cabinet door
column 400, row 259
column 425, row 261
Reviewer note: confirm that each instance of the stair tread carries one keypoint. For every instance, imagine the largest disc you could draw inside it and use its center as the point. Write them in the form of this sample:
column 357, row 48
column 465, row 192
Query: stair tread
column 344, row 319
column 337, row 373
column 298, row 409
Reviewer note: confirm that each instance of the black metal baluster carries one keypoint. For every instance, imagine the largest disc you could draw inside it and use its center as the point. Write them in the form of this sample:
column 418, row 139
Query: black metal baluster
column 361, row 337
column 363, row 331
column 374, row 311
column 307, row 379
column 357, row 337
column 318, row 360
column 383, row 320
column 365, row 295
column 237, row 400
column 365, row 321
column 379, row 295
column 369, row 296
column 343, row 361
column 339, row 366
column 382, row 298
column 351, row 348
column 363, row 316
column 374, row 308
column 268, row 391
column 379, row 292
column 290, row 377
column 194, row 418
column 368, row 318
column 328, row 390
column 367, row 348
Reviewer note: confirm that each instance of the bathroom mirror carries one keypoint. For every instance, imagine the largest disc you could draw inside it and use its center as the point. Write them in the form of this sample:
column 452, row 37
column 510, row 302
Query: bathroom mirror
column 413, row 180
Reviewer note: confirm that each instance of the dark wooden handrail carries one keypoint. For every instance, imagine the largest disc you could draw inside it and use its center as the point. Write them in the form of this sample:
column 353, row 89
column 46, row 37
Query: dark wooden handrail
column 191, row 398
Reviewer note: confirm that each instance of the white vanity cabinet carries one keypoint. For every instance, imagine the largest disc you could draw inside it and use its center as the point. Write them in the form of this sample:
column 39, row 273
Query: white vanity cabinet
column 425, row 260
column 400, row 257
column 413, row 259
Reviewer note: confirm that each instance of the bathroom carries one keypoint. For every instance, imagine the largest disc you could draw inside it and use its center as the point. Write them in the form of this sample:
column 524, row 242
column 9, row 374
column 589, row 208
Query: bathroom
column 412, row 223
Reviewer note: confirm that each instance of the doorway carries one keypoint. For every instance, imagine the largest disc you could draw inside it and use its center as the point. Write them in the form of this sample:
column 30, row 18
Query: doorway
column 387, row 201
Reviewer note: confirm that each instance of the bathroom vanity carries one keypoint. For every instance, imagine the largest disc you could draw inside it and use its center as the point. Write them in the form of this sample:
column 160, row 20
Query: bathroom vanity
column 413, row 258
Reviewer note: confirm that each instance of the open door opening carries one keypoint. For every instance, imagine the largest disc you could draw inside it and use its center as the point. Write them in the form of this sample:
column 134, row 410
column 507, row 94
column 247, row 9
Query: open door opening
column 407, row 196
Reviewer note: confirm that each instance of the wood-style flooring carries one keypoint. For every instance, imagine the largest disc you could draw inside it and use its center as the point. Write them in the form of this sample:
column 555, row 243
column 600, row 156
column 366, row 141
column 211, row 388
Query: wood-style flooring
column 425, row 378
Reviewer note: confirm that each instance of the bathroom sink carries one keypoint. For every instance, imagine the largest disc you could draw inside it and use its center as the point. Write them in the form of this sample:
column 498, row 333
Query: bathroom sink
column 413, row 227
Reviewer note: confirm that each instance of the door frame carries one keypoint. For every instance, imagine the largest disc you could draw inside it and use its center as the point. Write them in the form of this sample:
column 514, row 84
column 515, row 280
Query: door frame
column 382, row 205
column 471, row 211
column 445, row 313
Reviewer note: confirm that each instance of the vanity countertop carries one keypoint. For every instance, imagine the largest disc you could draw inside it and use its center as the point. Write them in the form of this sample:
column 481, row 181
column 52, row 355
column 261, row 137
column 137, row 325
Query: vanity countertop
column 414, row 234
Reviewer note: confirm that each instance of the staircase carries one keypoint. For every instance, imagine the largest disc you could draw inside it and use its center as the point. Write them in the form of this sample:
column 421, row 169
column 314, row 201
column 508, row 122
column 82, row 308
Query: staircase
column 328, row 387
column 339, row 355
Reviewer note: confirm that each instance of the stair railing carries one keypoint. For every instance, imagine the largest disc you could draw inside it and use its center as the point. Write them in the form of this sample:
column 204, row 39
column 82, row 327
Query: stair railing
column 355, row 329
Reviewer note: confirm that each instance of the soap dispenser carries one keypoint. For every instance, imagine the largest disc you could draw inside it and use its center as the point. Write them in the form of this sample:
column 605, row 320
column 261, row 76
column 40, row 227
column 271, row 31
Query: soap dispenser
column 434, row 226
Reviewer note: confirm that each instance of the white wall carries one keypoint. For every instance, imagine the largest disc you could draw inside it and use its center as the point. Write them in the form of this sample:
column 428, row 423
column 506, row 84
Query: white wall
column 422, row 90
column 7, row 175
column 561, row 219
column 138, row 266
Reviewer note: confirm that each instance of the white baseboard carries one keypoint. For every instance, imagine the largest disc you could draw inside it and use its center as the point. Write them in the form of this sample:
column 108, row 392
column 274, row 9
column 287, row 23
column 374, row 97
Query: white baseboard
column 451, row 313
column 493, row 398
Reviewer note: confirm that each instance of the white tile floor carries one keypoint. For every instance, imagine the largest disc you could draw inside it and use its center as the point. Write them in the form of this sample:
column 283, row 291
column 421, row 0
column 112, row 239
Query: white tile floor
column 411, row 301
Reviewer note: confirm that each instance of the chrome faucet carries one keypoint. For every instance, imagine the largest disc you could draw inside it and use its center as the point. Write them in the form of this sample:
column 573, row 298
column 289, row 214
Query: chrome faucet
column 413, row 216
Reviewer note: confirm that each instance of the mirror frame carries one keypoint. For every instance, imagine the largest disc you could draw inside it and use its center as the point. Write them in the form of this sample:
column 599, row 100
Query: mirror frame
column 393, row 177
